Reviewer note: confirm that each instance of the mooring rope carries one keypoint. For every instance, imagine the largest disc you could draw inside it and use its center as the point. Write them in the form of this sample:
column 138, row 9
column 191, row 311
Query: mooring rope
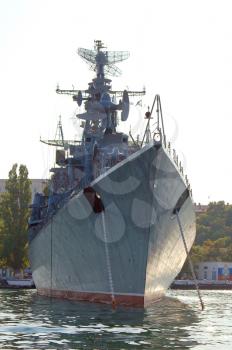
column 108, row 263
column 189, row 260
column 51, row 241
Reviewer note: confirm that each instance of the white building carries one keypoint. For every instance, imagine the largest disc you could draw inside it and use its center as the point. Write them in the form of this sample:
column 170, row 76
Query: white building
column 200, row 208
column 5, row 272
column 214, row 271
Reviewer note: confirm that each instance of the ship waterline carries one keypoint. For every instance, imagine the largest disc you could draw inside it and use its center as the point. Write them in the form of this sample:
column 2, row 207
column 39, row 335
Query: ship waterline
column 131, row 300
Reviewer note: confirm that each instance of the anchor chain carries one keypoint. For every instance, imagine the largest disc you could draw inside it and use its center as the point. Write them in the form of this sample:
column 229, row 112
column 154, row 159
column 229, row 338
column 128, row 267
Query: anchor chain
column 189, row 260
column 108, row 263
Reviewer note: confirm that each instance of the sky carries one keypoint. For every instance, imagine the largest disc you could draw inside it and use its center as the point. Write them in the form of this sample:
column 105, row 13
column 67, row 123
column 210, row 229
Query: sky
column 181, row 50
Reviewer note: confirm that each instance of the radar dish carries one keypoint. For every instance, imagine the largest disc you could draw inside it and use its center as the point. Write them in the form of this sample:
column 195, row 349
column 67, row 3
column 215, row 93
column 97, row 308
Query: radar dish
column 87, row 55
column 105, row 59
column 112, row 70
column 116, row 56
column 125, row 106
column 78, row 98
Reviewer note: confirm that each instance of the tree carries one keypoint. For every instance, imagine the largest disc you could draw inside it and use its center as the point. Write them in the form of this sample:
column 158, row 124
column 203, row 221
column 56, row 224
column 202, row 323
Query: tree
column 14, row 214
column 214, row 235
column 229, row 216
column 2, row 260
column 215, row 223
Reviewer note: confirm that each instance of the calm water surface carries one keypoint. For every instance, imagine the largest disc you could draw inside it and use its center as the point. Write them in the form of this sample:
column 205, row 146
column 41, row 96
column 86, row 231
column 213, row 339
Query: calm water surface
column 28, row 321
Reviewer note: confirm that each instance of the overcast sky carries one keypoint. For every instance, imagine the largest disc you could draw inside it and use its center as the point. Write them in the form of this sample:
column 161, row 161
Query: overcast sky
column 180, row 49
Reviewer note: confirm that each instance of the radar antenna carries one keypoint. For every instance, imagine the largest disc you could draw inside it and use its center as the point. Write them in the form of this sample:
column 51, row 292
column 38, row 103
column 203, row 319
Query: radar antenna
column 59, row 140
column 102, row 61
column 99, row 99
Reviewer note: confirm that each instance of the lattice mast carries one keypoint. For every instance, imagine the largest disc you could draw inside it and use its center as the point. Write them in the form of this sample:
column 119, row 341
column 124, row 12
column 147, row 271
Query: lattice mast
column 103, row 63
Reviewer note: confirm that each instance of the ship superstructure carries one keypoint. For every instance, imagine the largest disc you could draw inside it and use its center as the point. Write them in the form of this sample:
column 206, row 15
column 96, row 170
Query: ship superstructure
column 106, row 231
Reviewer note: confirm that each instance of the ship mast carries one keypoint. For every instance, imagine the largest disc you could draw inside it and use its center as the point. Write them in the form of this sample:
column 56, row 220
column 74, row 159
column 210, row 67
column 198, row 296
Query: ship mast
column 101, row 59
column 100, row 116
column 59, row 132
column 99, row 99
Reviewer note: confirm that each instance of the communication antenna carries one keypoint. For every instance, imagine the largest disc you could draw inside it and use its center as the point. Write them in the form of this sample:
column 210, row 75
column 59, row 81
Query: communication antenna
column 59, row 136
column 59, row 132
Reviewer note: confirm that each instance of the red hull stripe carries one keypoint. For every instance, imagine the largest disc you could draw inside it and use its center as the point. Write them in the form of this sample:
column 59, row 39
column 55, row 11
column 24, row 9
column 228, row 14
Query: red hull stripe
column 119, row 299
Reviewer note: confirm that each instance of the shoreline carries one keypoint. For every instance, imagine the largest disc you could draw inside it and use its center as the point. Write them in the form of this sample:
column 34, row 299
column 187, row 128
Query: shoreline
column 202, row 284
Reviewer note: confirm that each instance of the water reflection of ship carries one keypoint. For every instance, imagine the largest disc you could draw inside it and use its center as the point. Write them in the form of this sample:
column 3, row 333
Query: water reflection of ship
column 163, row 325
column 108, row 231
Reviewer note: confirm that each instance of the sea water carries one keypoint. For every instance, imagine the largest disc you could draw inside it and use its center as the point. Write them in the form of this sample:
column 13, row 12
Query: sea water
column 28, row 321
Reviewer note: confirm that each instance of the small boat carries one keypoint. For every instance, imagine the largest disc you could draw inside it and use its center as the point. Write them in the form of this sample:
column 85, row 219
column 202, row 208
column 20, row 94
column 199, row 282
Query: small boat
column 20, row 283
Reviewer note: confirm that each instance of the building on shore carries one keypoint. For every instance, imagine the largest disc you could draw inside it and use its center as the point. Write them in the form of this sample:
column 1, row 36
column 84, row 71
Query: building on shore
column 7, row 272
column 200, row 208
column 214, row 271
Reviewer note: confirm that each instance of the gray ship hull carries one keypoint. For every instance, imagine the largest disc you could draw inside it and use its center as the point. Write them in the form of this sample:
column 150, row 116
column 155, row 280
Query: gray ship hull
column 128, row 253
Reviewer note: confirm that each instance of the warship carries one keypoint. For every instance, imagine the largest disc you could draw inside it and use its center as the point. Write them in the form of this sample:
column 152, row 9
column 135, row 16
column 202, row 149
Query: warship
column 106, row 230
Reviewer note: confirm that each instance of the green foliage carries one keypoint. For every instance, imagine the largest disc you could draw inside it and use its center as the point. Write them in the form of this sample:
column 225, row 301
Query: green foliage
column 214, row 234
column 2, row 261
column 215, row 223
column 14, row 214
